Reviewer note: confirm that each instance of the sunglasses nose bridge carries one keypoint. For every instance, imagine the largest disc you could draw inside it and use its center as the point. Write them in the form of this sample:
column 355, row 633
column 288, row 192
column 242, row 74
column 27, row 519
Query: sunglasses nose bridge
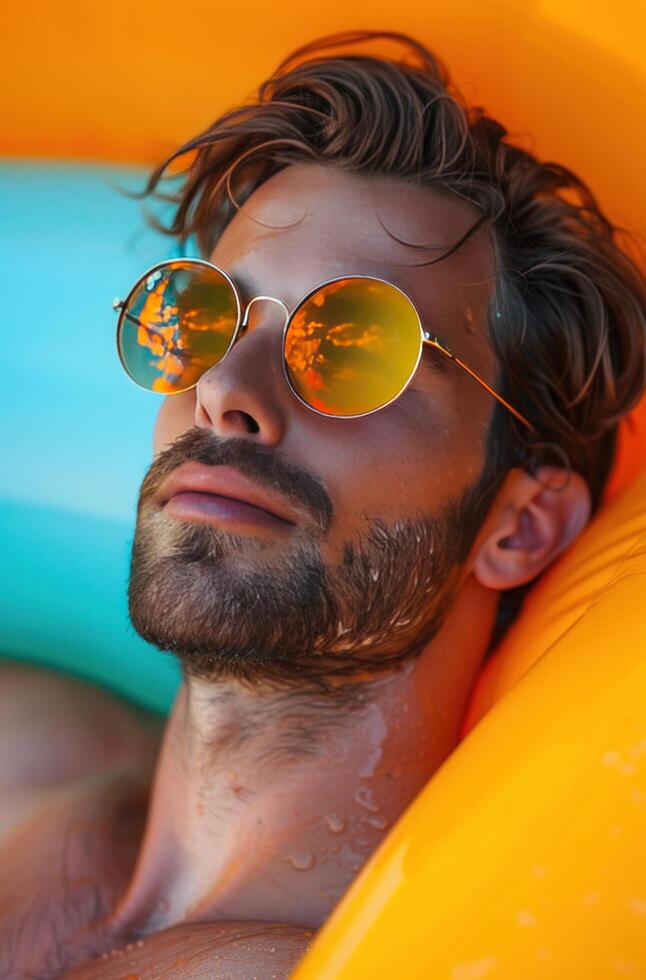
column 256, row 299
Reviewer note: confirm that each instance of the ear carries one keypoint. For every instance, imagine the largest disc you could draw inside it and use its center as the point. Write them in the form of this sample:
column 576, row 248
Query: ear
column 532, row 520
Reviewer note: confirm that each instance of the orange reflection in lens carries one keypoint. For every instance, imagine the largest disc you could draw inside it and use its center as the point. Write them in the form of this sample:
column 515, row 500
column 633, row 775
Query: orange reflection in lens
column 351, row 347
column 180, row 321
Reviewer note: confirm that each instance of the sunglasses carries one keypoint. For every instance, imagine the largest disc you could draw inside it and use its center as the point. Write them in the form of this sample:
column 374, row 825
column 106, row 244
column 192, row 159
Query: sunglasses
column 350, row 347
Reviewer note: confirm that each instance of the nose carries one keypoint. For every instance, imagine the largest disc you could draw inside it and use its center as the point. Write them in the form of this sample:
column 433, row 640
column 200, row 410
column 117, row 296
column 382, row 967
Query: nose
column 246, row 392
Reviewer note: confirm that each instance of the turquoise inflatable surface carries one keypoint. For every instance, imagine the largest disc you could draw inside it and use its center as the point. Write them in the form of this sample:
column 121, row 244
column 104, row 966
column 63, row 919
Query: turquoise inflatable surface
column 77, row 433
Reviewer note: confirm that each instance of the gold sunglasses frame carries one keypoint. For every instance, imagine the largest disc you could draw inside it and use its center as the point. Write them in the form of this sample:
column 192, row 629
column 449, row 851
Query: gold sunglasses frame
column 242, row 321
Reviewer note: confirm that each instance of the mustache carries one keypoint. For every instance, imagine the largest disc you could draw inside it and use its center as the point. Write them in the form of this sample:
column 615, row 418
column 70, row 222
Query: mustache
column 267, row 467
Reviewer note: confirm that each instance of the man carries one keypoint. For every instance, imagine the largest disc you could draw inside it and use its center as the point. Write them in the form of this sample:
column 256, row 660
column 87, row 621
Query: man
column 329, row 577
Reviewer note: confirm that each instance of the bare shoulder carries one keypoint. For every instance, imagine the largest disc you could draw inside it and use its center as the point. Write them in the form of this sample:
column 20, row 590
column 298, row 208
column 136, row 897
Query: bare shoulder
column 55, row 727
column 218, row 950
column 76, row 764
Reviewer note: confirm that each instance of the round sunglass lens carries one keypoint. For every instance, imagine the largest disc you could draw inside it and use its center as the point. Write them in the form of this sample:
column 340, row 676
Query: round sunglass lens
column 177, row 322
column 352, row 346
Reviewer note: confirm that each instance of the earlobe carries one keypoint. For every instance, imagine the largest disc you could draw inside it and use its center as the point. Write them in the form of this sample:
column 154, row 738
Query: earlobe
column 534, row 518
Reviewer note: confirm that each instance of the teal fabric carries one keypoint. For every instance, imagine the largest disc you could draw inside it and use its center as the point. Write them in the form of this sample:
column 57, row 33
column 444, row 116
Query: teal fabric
column 76, row 432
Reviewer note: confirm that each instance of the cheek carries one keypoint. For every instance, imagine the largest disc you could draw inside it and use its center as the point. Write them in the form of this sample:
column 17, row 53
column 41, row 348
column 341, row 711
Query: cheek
column 175, row 416
column 408, row 462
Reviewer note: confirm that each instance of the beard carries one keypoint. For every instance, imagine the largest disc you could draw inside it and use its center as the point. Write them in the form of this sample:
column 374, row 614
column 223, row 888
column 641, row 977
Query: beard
column 235, row 607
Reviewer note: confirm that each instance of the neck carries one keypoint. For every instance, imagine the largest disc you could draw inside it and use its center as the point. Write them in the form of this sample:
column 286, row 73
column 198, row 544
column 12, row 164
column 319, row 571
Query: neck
column 266, row 804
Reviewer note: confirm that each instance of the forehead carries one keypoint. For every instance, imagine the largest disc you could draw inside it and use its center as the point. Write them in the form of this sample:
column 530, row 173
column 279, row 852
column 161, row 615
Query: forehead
column 309, row 223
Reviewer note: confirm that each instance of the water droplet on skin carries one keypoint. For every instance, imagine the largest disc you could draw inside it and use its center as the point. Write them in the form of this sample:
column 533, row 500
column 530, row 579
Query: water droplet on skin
column 376, row 731
column 365, row 798
column 302, row 860
column 335, row 823
column 378, row 821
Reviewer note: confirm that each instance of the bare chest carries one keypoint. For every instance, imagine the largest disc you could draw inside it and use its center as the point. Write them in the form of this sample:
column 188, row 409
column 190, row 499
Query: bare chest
column 66, row 854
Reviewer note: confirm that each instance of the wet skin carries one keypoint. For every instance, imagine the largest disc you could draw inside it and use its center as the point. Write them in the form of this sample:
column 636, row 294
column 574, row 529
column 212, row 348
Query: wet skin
column 265, row 800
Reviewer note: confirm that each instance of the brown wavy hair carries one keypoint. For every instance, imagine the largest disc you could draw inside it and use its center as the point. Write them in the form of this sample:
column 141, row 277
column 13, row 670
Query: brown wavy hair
column 567, row 316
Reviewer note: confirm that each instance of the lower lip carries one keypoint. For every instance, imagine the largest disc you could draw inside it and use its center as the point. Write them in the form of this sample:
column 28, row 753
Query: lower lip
column 211, row 508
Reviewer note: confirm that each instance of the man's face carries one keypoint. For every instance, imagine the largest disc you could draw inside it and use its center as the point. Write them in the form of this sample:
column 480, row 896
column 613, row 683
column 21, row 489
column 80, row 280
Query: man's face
column 364, row 574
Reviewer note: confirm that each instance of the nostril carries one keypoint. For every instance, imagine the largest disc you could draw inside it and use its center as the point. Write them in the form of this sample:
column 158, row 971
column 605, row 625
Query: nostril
column 242, row 418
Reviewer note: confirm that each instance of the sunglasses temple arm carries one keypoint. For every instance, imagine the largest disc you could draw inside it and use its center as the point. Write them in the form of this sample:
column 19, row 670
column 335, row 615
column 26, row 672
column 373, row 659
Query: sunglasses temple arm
column 465, row 367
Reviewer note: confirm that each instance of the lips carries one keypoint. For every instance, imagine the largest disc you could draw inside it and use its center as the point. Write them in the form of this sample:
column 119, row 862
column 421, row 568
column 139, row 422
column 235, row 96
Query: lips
column 223, row 481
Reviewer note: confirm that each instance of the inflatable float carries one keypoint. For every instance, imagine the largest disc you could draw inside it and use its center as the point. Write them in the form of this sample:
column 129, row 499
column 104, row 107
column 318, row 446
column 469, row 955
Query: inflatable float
column 525, row 855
